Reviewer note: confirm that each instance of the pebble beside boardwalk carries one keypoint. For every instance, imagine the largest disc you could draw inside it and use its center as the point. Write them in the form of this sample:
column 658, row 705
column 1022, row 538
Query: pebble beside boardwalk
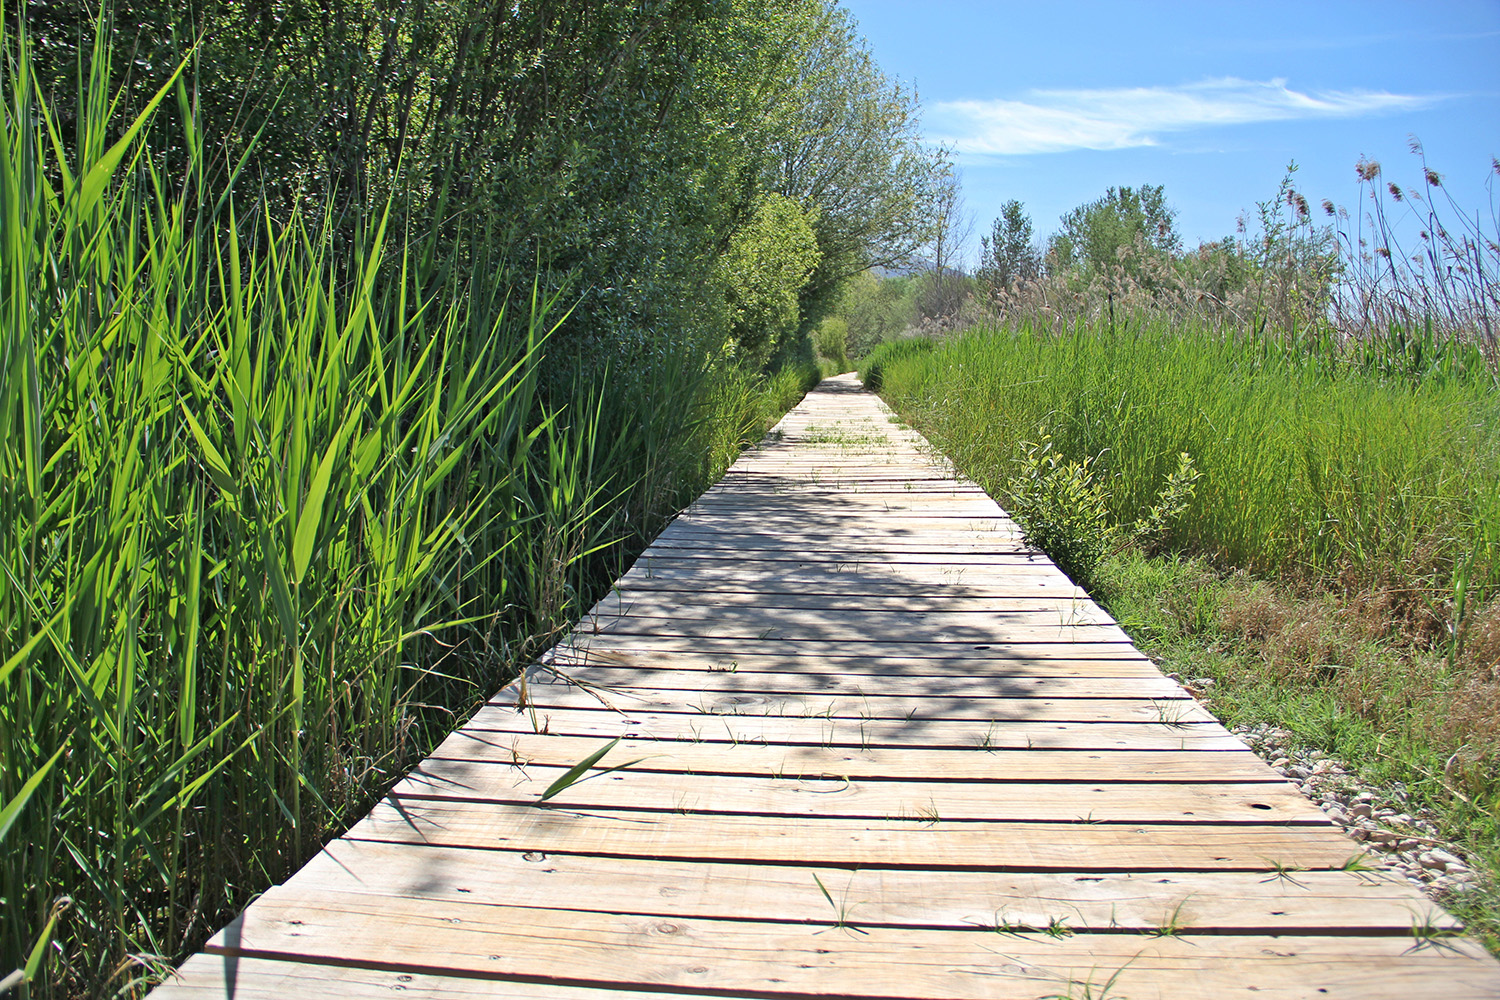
column 870, row 746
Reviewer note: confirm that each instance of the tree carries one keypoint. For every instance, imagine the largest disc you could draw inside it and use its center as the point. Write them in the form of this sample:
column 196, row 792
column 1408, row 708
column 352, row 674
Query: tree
column 1009, row 254
column 847, row 140
column 876, row 310
column 950, row 226
column 624, row 148
column 1093, row 235
column 765, row 268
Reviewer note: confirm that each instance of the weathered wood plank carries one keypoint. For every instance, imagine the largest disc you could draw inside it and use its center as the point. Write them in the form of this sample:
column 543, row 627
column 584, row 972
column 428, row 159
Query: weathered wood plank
column 868, row 707
column 941, row 734
column 860, row 669
column 944, row 607
column 792, row 627
column 993, row 650
column 924, row 801
column 833, row 842
column 705, row 679
column 646, row 952
column 898, row 763
column 232, row 977
column 1235, row 902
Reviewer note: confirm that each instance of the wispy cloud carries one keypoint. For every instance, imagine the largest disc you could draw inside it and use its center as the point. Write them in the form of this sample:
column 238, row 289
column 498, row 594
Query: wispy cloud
column 1051, row 121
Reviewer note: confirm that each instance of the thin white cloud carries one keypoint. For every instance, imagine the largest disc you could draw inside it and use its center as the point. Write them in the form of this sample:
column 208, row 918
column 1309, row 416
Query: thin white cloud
column 1051, row 121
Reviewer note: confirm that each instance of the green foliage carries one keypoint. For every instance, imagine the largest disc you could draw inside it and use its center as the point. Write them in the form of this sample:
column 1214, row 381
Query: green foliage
column 1312, row 461
column 1296, row 263
column 847, row 140
column 1009, row 253
column 876, row 310
column 832, row 342
column 1095, row 239
column 551, row 132
column 1171, row 503
column 1063, row 508
column 768, row 262
column 873, row 368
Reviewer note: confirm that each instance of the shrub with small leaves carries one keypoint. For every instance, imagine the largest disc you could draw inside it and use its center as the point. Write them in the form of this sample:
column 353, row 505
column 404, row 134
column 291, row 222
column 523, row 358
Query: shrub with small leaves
column 1062, row 507
column 1171, row 503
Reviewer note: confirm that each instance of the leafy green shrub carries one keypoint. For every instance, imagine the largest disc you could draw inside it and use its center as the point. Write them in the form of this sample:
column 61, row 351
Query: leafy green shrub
column 1176, row 495
column 767, row 264
column 1062, row 507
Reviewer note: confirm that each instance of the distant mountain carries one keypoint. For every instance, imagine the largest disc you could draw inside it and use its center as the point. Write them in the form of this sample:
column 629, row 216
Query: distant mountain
column 910, row 269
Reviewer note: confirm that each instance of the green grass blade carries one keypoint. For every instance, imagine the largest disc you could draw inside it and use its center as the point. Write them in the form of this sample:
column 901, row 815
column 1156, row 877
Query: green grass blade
column 577, row 770
column 13, row 808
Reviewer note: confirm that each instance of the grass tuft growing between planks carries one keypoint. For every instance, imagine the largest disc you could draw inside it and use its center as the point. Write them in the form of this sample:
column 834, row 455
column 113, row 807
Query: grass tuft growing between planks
column 1335, row 566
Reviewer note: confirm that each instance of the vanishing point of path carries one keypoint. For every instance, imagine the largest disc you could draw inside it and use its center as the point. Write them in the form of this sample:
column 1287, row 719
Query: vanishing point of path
column 871, row 747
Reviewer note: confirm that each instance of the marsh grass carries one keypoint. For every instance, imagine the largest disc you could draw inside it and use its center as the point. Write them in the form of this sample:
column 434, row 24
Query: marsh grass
column 1312, row 465
column 279, row 509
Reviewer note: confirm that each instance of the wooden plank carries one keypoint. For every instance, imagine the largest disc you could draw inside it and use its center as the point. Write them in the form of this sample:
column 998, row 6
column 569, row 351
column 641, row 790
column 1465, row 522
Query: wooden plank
column 705, row 679
column 923, row 801
column 792, row 627
column 727, row 648
column 933, row 735
column 903, row 763
column 1012, row 623
column 233, row 977
column 1005, row 579
column 1236, row 902
column 832, row 842
column 869, row 707
column 1049, row 585
column 940, row 607
column 646, row 952
column 873, row 668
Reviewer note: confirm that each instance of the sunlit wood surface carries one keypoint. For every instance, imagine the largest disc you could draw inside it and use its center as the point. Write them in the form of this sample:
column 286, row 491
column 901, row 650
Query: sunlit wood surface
column 871, row 746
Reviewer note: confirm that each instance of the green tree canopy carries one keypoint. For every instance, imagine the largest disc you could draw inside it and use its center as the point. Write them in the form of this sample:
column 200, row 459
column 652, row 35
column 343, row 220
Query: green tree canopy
column 766, row 266
column 1009, row 253
column 624, row 147
column 847, row 140
column 1093, row 235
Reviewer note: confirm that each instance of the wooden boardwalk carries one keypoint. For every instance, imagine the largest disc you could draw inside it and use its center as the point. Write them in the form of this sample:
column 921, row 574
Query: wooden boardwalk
column 875, row 748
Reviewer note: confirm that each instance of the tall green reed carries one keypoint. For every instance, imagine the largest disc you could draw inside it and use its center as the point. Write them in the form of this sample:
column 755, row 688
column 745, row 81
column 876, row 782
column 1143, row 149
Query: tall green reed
column 247, row 477
column 1312, row 465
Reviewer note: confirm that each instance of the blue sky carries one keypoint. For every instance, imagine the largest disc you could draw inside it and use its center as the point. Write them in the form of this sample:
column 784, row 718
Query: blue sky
column 1052, row 103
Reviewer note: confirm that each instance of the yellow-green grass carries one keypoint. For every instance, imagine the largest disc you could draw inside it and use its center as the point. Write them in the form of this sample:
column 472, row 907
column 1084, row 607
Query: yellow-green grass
column 1312, row 466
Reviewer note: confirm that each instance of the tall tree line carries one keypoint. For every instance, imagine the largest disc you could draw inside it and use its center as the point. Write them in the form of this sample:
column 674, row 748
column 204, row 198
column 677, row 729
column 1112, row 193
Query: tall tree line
column 629, row 150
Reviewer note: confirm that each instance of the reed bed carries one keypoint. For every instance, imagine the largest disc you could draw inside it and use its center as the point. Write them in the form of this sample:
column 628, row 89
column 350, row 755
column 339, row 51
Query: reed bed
column 1317, row 461
column 278, row 509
